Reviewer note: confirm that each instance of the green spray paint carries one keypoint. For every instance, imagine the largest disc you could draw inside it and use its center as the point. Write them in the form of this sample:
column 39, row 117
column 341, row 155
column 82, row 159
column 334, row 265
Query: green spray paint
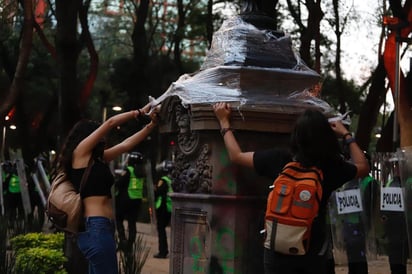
column 225, row 253
column 196, row 246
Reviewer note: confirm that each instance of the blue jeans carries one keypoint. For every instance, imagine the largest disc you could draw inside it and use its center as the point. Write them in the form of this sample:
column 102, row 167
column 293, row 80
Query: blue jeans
column 98, row 245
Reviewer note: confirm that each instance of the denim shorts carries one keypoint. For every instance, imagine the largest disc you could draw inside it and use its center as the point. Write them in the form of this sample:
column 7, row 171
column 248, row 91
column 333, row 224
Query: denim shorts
column 98, row 245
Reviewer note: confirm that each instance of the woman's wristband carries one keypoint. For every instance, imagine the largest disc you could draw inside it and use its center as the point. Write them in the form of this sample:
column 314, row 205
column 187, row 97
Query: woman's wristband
column 224, row 130
column 349, row 141
column 137, row 113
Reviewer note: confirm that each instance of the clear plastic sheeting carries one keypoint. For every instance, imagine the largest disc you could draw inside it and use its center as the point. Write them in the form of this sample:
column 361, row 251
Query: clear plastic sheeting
column 251, row 66
column 239, row 43
column 247, row 85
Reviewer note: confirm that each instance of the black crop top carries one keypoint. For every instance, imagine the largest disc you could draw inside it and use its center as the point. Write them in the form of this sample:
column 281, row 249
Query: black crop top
column 99, row 182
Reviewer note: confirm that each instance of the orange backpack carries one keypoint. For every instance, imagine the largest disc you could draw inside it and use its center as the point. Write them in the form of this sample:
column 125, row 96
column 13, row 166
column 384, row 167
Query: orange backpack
column 291, row 208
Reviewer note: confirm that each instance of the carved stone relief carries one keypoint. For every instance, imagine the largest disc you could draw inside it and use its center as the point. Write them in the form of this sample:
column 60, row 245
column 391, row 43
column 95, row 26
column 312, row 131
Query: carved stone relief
column 192, row 169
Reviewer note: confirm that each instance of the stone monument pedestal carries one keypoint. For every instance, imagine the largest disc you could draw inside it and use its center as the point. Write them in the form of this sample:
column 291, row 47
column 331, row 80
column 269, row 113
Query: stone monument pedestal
column 218, row 207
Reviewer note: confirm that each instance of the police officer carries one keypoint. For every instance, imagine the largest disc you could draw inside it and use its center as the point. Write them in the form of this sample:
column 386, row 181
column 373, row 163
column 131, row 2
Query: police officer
column 394, row 223
column 163, row 206
column 129, row 198
column 13, row 199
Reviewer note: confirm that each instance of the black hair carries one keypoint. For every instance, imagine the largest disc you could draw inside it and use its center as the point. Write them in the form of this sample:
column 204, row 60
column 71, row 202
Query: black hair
column 313, row 142
column 79, row 131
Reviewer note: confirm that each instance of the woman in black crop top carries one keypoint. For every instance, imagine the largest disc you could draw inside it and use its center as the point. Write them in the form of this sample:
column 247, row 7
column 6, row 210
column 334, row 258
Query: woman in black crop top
column 313, row 143
column 86, row 141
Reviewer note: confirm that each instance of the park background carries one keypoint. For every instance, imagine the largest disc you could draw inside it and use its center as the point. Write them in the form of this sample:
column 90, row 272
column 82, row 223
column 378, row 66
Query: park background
column 62, row 61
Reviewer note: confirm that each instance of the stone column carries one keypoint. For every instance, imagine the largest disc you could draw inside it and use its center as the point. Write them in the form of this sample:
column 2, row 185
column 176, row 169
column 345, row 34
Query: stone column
column 218, row 207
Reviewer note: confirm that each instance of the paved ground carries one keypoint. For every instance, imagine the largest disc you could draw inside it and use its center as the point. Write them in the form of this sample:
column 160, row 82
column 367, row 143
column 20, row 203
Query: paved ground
column 153, row 265
column 162, row 266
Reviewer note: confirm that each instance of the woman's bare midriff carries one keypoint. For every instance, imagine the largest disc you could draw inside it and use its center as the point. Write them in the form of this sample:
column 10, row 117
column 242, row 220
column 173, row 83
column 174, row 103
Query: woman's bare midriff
column 98, row 206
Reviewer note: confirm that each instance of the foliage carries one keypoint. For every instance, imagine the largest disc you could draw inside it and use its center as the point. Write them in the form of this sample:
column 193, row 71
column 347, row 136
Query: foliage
column 9, row 47
column 39, row 253
column 351, row 94
column 29, row 240
column 133, row 65
column 40, row 260
column 46, row 246
column 7, row 259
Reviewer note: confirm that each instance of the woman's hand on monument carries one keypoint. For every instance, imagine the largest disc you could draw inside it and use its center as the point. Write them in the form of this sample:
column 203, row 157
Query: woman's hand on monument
column 154, row 114
column 222, row 111
column 338, row 128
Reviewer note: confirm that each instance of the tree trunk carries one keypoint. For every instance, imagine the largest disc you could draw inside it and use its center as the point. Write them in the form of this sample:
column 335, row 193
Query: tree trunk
column 67, row 57
column 338, row 71
column 24, row 54
column 94, row 58
column 370, row 109
column 138, row 81
column 209, row 23
column 177, row 39
column 13, row 98
column 310, row 31
column 384, row 143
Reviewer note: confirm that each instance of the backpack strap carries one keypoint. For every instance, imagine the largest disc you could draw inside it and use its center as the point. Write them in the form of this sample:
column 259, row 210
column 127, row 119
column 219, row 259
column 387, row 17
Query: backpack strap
column 273, row 234
column 315, row 169
column 86, row 174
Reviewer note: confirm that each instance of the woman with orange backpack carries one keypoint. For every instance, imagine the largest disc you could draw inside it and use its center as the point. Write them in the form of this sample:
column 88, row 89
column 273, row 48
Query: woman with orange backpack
column 314, row 142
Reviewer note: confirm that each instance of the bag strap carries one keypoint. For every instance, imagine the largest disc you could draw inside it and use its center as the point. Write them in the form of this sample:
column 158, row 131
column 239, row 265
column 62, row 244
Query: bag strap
column 86, row 173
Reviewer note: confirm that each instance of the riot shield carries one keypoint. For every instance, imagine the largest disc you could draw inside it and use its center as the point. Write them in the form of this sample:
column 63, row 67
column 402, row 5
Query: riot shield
column 353, row 233
column 150, row 196
column 39, row 189
column 336, row 229
column 405, row 170
column 43, row 175
column 16, row 156
column 392, row 231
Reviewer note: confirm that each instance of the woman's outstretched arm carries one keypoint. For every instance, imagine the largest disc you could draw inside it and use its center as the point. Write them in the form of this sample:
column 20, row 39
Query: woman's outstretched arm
column 223, row 111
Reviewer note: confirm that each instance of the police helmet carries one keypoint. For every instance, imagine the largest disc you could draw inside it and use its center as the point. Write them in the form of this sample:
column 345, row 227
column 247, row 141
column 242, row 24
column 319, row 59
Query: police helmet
column 135, row 158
